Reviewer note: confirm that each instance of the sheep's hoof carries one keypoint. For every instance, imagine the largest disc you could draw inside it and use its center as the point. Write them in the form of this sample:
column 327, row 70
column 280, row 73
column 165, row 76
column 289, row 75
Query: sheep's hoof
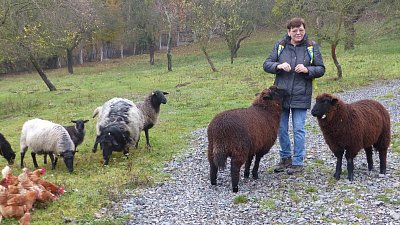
column 235, row 189
column 336, row 176
column 94, row 150
column 213, row 182
column 255, row 176
column 246, row 175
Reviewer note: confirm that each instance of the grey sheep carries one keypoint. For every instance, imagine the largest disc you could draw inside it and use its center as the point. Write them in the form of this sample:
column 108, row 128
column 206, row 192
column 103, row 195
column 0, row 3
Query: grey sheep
column 150, row 109
column 119, row 123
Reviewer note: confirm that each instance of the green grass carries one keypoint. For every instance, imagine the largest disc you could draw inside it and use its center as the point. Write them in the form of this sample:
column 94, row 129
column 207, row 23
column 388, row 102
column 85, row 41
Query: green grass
column 240, row 199
column 189, row 107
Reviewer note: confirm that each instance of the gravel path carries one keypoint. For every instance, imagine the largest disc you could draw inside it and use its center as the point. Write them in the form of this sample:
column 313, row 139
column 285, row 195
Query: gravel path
column 312, row 197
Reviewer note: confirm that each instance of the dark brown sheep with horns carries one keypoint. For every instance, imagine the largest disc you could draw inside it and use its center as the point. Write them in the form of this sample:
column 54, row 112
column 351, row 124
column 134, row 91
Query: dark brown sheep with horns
column 348, row 128
column 244, row 133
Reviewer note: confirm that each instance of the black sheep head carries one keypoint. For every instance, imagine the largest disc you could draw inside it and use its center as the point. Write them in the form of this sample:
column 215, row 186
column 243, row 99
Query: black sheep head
column 114, row 138
column 6, row 150
column 274, row 92
column 80, row 124
column 158, row 97
column 68, row 157
column 324, row 105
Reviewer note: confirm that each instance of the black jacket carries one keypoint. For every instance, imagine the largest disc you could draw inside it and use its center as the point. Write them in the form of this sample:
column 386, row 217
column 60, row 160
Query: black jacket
column 298, row 85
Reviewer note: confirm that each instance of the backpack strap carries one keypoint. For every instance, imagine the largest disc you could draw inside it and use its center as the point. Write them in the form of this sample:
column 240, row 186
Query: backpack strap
column 281, row 46
column 310, row 50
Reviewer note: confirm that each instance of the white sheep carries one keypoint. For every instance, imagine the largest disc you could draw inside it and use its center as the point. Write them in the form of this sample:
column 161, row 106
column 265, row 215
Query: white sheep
column 119, row 123
column 43, row 136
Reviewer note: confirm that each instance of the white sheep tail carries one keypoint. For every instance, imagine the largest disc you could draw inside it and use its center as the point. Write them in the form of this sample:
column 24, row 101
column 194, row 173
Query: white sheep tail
column 96, row 112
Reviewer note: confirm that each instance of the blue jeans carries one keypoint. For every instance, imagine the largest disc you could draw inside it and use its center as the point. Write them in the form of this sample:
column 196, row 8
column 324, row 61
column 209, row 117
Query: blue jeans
column 299, row 133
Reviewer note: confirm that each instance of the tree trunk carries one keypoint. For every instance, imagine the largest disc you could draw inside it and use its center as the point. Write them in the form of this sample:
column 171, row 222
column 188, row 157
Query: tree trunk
column 70, row 61
column 169, row 55
column 334, row 57
column 81, row 56
column 152, row 50
column 122, row 51
column 101, row 53
column 41, row 73
column 350, row 33
column 209, row 60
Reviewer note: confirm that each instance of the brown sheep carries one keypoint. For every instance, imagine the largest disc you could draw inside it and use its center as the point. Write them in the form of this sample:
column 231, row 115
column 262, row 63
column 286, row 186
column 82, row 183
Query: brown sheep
column 347, row 128
column 244, row 133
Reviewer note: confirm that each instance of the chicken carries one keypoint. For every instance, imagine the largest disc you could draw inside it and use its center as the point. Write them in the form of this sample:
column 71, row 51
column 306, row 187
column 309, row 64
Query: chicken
column 46, row 196
column 26, row 199
column 5, row 181
column 39, row 172
column 12, row 211
column 26, row 219
column 54, row 189
column 7, row 173
column 25, row 183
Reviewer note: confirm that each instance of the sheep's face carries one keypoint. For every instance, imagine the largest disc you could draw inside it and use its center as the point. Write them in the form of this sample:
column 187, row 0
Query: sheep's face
column 159, row 97
column 114, row 139
column 80, row 124
column 8, row 153
column 323, row 105
column 273, row 93
column 10, row 157
column 68, row 157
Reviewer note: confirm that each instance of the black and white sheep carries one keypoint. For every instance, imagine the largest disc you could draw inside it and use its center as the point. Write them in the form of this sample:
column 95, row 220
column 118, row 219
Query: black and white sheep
column 244, row 133
column 348, row 128
column 119, row 123
column 43, row 136
column 76, row 132
column 6, row 151
column 150, row 108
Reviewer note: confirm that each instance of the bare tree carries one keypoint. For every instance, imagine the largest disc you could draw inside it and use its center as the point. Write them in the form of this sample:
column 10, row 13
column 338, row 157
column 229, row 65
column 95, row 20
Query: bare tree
column 204, row 23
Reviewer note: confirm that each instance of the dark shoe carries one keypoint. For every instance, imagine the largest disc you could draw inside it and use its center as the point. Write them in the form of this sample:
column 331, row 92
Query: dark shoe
column 282, row 165
column 294, row 169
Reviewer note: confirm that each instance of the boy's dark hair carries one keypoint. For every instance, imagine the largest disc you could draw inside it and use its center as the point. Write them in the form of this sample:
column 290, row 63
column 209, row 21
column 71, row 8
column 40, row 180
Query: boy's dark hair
column 295, row 22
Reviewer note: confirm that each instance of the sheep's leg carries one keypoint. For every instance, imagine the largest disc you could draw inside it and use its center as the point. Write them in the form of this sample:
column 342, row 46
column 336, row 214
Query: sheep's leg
column 382, row 161
column 350, row 169
column 146, row 132
column 126, row 152
column 213, row 173
column 106, row 156
column 370, row 162
column 339, row 158
column 96, row 142
column 53, row 162
column 255, row 167
column 45, row 158
column 22, row 157
column 34, row 159
column 235, row 175
column 247, row 167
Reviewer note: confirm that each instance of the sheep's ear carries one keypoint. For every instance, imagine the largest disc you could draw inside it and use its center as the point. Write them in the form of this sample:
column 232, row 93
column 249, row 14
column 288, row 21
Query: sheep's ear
column 267, row 96
column 85, row 121
column 74, row 121
column 165, row 93
column 334, row 101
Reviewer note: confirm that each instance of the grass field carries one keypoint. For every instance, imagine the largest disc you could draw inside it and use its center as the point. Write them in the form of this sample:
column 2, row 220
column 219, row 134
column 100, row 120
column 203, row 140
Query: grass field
column 196, row 95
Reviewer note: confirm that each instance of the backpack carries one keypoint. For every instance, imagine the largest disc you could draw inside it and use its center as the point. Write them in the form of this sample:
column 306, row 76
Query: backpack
column 310, row 51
